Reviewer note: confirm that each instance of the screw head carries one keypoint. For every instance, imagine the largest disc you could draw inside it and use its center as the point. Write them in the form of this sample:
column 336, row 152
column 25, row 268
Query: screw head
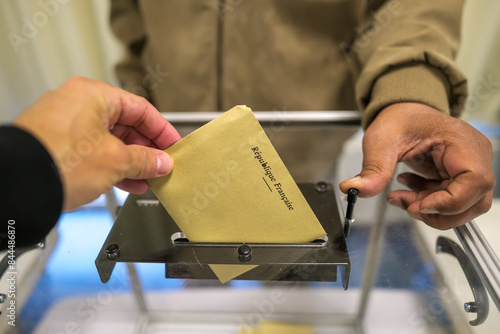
column 244, row 253
column 112, row 251
column 112, row 248
column 321, row 186
column 470, row 307
column 244, row 250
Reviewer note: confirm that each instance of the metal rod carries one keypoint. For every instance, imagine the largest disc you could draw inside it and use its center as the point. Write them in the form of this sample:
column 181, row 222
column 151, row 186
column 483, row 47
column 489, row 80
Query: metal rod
column 373, row 252
column 272, row 118
column 143, row 319
column 111, row 205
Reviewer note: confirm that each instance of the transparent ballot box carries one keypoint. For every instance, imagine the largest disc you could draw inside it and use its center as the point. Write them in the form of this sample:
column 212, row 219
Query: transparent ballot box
column 121, row 264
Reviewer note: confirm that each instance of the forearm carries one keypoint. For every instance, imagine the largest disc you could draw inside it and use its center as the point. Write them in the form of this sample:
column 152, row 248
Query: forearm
column 405, row 54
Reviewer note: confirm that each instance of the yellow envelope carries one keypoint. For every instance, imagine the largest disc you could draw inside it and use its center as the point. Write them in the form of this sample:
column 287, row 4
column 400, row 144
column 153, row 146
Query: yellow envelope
column 229, row 185
column 277, row 328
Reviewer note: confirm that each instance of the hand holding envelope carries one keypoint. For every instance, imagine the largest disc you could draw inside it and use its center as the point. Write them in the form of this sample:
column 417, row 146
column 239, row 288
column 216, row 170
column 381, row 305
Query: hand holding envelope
column 229, row 185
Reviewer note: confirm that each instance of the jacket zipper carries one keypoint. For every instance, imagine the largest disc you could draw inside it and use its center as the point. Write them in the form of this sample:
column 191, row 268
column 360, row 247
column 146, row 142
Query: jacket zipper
column 220, row 46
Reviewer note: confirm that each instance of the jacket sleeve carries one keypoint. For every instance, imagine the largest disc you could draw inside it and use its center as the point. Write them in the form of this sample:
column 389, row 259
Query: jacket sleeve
column 127, row 25
column 31, row 193
column 404, row 52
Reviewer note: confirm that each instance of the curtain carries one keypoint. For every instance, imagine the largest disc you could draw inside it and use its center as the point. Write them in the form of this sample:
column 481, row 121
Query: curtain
column 479, row 57
column 45, row 42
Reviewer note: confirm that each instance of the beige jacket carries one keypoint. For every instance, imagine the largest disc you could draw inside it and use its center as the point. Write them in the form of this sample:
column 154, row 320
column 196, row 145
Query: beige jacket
column 206, row 55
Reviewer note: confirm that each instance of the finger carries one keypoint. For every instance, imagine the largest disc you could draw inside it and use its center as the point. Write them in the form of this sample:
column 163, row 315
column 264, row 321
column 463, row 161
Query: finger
column 444, row 222
column 403, row 199
column 412, row 203
column 424, row 165
column 379, row 163
column 130, row 136
column 420, row 158
column 461, row 194
column 149, row 122
column 469, row 166
column 146, row 163
column 418, row 183
column 137, row 187
column 137, row 112
column 409, row 201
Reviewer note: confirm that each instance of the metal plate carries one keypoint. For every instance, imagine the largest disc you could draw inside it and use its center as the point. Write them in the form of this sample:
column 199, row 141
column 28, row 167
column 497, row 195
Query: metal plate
column 143, row 232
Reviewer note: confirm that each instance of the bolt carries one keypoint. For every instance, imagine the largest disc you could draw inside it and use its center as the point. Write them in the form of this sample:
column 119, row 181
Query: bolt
column 112, row 251
column 113, row 248
column 321, row 186
column 470, row 307
column 244, row 253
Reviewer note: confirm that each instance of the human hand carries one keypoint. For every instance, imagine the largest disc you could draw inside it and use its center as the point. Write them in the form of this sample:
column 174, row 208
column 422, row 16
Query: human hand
column 452, row 158
column 100, row 136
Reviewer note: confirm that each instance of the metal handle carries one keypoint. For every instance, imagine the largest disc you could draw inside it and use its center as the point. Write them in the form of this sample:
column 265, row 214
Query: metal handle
column 483, row 258
column 481, row 303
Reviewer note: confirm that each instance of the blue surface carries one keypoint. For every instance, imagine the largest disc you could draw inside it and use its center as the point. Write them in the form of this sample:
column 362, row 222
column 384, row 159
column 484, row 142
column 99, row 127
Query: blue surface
column 487, row 129
column 71, row 270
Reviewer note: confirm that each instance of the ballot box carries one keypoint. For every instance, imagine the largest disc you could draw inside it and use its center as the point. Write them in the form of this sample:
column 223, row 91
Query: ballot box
column 122, row 265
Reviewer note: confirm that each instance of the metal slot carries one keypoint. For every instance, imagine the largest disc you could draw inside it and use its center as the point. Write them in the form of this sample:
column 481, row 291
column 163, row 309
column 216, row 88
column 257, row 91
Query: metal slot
column 179, row 239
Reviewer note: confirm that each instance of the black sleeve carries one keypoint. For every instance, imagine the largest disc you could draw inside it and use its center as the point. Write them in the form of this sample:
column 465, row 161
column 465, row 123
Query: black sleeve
column 31, row 192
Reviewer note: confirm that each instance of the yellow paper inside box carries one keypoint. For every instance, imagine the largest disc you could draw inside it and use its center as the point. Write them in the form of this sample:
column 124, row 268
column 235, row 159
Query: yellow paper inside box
column 229, row 185
column 277, row 328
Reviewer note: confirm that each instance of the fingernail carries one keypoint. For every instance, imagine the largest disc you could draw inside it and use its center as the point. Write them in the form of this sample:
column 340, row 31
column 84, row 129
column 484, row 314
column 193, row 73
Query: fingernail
column 402, row 180
column 164, row 164
column 352, row 180
column 396, row 202
column 429, row 211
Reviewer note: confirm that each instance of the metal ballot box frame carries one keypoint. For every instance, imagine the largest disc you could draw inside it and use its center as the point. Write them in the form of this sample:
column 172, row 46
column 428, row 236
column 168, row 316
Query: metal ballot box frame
column 145, row 232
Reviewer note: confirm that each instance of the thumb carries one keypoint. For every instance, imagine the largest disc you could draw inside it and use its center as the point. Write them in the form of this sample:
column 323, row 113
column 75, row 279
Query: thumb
column 147, row 162
column 379, row 164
